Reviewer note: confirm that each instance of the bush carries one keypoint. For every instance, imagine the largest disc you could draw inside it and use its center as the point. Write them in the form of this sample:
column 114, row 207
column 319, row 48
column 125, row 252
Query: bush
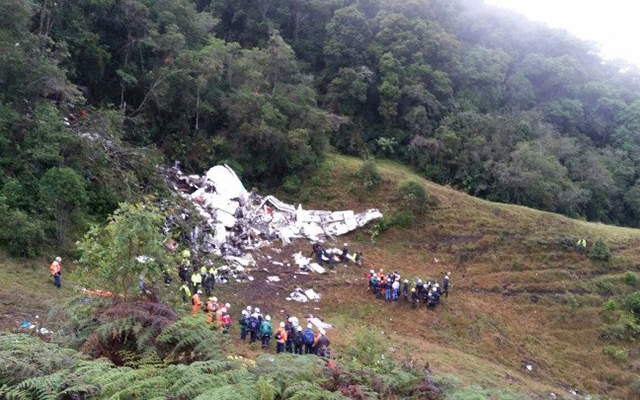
column 620, row 355
column 413, row 197
column 600, row 251
column 21, row 235
column 402, row 219
column 369, row 175
column 632, row 302
column 631, row 278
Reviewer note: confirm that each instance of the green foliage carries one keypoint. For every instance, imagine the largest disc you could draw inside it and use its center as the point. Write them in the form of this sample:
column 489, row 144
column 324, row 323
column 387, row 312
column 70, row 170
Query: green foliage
column 600, row 251
column 632, row 302
column 631, row 278
column 188, row 340
column 413, row 197
column 369, row 175
column 111, row 254
column 619, row 355
column 369, row 350
column 21, row 235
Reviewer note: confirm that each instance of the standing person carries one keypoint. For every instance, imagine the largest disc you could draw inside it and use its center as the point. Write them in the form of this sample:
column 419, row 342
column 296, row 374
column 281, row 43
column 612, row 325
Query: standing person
column 308, row 339
column 405, row 290
column 55, row 269
column 345, row 253
column 290, row 328
column 281, row 338
column 321, row 344
column 298, row 341
column 266, row 330
column 445, row 283
column 185, row 292
column 196, row 280
column 317, row 250
column 395, row 287
column 226, row 320
column 253, row 324
column 196, row 303
column 244, row 325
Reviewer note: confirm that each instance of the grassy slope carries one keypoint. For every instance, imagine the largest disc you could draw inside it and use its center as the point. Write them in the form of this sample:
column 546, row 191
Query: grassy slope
column 499, row 256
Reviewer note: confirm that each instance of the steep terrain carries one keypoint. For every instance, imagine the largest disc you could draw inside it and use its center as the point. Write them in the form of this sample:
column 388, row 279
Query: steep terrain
column 526, row 316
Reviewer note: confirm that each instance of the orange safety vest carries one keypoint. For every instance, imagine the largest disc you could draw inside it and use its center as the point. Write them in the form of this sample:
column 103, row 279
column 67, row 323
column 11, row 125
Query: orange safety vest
column 283, row 335
column 54, row 267
column 195, row 299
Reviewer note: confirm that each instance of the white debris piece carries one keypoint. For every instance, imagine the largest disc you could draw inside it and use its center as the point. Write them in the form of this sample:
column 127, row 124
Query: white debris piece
column 318, row 323
column 273, row 278
column 226, row 182
column 312, row 295
column 298, row 296
column 315, row 267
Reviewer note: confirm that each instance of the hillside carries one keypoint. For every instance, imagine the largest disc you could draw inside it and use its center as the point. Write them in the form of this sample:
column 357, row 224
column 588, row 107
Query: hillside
column 521, row 295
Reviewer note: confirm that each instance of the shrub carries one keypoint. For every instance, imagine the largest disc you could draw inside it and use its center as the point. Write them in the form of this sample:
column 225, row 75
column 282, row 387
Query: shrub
column 610, row 305
column 413, row 197
column 22, row 235
column 369, row 175
column 600, row 251
column 632, row 302
column 620, row 355
column 402, row 219
column 631, row 278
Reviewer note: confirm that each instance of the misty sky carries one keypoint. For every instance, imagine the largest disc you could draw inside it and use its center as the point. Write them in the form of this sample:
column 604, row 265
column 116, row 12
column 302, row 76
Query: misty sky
column 612, row 24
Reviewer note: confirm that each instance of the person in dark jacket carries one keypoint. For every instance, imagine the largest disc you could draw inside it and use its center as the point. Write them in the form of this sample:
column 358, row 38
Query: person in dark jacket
column 318, row 251
column 321, row 344
column 298, row 341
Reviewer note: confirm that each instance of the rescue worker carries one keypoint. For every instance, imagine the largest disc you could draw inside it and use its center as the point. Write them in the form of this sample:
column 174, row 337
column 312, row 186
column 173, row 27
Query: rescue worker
column 196, row 281
column 321, row 344
column 317, row 250
column 207, row 282
column 358, row 258
column 56, row 270
column 445, row 283
column 185, row 292
column 308, row 339
column 196, row 303
column 244, row 325
column 405, row 290
column 395, row 287
column 142, row 285
column 226, row 321
column 414, row 297
column 290, row 328
column 211, row 308
column 253, row 325
column 281, row 338
column 298, row 341
column 582, row 245
column 266, row 330
column 183, row 273
column 167, row 277
column 345, row 253
column 213, row 271
column 388, row 288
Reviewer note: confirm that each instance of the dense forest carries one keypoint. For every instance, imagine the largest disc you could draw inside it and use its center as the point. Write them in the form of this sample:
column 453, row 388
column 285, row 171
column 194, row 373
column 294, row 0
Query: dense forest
column 94, row 94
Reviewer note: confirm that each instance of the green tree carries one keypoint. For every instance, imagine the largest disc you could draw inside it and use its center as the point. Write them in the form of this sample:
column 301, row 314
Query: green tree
column 63, row 194
column 129, row 245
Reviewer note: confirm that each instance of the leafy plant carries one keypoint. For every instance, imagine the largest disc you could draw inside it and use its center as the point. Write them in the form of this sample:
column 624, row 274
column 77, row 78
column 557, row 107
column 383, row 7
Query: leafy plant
column 631, row 278
column 600, row 251
column 413, row 197
column 369, row 175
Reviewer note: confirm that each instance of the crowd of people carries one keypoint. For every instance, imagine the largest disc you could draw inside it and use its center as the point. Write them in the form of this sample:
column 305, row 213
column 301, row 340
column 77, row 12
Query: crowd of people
column 290, row 337
column 388, row 287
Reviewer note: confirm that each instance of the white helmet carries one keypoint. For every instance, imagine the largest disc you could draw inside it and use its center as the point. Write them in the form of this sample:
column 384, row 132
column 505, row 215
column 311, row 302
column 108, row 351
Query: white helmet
column 227, row 306
column 249, row 308
column 346, row 244
column 309, row 326
column 406, row 281
column 281, row 324
column 299, row 328
column 372, row 271
column 199, row 291
column 244, row 312
column 214, row 298
column 437, row 285
column 419, row 280
column 257, row 310
column 268, row 317
column 223, row 310
column 58, row 259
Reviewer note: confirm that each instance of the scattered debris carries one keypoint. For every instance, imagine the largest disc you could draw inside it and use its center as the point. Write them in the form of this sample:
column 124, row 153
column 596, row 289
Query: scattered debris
column 302, row 296
column 273, row 279
column 236, row 221
column 318, row 323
